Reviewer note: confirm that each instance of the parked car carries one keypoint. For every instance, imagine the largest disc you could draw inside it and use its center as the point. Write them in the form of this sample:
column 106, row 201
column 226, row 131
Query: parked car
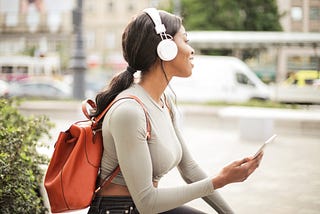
column 303, row 78
column 94, row 82
column 48, row 88
column 4, row 88
column 220, row 78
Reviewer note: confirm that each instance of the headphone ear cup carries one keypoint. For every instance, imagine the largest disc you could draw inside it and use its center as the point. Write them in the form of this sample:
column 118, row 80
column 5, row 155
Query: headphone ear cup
column 167, row 50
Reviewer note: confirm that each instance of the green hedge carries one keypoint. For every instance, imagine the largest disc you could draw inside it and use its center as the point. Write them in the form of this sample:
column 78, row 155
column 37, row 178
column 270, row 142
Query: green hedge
column 20, row 172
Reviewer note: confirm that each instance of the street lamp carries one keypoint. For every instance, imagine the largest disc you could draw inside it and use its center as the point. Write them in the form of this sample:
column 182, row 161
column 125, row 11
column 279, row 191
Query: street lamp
column 78, row 57
column 177, row 7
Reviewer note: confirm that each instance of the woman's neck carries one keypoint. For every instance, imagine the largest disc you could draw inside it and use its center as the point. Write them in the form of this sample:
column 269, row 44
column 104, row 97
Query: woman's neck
column 154, row 83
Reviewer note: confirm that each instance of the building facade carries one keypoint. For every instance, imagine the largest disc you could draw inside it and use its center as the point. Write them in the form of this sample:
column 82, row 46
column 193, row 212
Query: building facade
column 41, row 26
column 104, row 22
column 45, row 27
column 299, row 16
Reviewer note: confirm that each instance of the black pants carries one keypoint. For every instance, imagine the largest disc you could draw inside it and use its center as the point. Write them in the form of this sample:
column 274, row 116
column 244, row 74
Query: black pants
column 125, row 204
column 112, row 205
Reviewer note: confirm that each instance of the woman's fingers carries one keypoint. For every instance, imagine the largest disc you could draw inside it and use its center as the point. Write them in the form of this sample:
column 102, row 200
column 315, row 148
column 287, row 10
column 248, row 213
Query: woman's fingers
column 253, row 164
column 248, row 165
column 240, row 170
column 240, row 162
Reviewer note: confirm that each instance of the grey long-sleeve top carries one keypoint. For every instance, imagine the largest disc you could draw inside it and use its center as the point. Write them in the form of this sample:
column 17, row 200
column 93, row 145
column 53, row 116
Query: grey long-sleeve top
column 142, row 161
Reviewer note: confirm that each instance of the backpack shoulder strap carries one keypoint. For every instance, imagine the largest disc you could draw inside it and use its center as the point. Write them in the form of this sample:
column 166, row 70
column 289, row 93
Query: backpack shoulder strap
column 92, row 104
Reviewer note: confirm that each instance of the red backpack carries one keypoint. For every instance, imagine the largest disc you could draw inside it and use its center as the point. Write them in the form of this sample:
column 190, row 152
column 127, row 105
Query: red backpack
column 70, row 180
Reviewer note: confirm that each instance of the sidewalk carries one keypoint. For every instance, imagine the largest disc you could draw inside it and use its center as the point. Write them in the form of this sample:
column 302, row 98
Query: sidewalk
column 289, row 121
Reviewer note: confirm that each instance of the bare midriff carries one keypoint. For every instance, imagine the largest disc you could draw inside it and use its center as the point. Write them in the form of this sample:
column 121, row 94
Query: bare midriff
column 117, row 190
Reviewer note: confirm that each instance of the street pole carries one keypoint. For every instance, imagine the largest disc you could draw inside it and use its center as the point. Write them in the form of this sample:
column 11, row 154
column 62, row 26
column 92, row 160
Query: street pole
column 177, row 7
column 78, row 58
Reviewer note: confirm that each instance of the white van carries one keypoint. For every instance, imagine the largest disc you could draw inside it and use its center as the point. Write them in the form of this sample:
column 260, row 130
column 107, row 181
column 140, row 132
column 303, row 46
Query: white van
column 219, row 79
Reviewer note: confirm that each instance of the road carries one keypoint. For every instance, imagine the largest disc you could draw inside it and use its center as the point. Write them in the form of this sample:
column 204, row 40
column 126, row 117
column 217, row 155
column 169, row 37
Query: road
column 287, row 181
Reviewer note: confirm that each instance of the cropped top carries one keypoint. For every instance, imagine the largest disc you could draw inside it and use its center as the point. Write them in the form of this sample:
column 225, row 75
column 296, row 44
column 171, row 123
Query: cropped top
column 142, row 161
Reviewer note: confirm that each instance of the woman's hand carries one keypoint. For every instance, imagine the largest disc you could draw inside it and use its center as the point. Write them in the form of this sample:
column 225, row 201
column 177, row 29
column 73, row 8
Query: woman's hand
column 238, row 171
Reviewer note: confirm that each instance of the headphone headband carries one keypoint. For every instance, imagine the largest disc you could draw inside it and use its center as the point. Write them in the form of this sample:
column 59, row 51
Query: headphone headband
column 167, row 49
column 155, row 17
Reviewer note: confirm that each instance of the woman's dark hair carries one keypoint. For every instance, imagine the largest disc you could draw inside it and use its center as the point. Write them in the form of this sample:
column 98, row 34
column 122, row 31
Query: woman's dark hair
column 139, row 46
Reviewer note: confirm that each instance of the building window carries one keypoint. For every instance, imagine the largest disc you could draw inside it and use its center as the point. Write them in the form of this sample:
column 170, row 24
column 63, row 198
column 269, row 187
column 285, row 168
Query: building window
column 130, row 7
column 110, row 6
column 296, row 13
column 90, row 40
column 110, row 40
column 90, row 7
column 131, row 4
column 12, row 19
column 314, row 13
column 296, row 63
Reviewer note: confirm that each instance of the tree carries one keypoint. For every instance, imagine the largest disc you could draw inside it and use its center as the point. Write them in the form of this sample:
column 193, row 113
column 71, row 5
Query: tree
column 211, row 15
column 231, row 15
column 250, row 15
column 260, row 15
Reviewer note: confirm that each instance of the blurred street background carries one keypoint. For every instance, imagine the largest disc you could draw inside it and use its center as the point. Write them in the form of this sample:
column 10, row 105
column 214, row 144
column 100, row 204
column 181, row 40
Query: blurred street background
column 257, row 72
column 70, row 49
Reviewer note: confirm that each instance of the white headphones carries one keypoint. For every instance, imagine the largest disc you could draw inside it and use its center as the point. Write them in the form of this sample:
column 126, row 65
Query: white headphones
column 167, row 49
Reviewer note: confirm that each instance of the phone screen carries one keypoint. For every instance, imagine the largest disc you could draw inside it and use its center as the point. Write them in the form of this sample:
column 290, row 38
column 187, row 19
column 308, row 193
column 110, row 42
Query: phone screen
column 264, row 145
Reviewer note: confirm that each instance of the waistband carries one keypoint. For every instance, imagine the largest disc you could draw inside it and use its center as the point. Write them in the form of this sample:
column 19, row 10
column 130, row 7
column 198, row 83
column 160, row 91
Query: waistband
column 110, row 200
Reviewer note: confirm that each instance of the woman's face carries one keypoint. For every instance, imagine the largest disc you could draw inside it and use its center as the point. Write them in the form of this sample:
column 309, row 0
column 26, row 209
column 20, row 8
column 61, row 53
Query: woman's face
column 181, row 65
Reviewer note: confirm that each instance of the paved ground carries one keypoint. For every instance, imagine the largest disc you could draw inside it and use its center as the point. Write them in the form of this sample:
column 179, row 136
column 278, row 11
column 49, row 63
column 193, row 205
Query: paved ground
column 288, row 180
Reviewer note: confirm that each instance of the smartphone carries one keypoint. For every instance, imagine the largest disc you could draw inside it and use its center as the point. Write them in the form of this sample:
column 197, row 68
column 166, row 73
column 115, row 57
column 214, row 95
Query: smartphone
column 264, row 145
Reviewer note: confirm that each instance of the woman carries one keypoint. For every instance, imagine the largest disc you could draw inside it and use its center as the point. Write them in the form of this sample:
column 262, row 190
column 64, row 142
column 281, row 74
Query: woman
column 143, row 162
